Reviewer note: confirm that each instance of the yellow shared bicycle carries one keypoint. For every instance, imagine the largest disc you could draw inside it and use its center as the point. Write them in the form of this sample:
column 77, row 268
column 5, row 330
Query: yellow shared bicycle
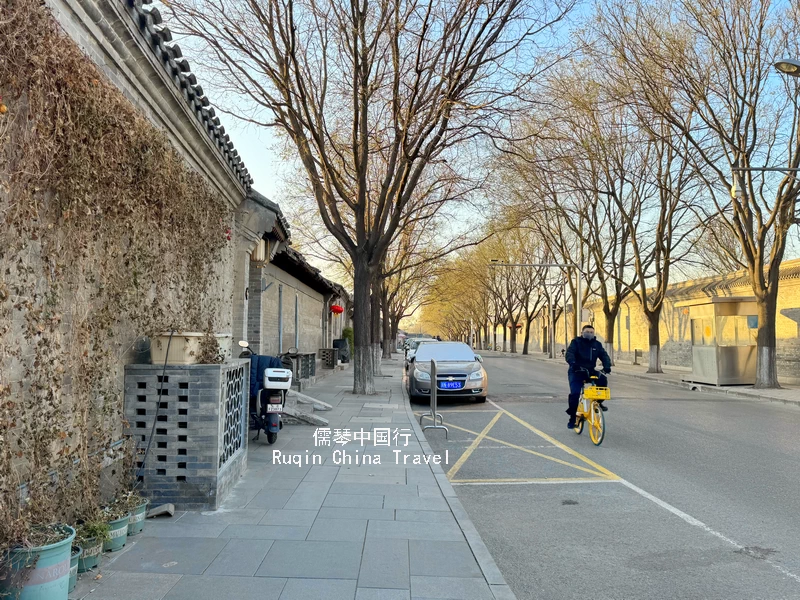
column 589, row 410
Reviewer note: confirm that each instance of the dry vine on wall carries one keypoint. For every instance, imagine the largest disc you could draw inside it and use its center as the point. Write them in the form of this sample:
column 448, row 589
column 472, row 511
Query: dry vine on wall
column 105, row 235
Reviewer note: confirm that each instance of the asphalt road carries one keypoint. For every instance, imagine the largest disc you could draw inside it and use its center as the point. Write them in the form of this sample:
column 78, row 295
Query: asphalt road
column 691, row 495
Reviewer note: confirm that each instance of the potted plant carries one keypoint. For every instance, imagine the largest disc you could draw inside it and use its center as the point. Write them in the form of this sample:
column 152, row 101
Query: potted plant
column 73, row 567
column 117, row 516
column 38, row 568
column 137, row 507
column 91, row 535
column 191, row 347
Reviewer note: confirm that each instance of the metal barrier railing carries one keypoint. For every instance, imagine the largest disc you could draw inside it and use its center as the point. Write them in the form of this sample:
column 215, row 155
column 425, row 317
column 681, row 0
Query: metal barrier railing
column 433, row 414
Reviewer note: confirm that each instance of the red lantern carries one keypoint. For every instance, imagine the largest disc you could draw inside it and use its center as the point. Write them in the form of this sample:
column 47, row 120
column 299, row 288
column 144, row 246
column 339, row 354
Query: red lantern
column 336, row 309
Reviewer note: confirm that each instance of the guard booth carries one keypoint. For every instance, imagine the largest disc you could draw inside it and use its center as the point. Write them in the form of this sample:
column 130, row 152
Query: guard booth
column 723, row 340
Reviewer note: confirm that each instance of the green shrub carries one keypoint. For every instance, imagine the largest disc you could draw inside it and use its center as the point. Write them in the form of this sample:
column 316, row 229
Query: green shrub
column 347, row 333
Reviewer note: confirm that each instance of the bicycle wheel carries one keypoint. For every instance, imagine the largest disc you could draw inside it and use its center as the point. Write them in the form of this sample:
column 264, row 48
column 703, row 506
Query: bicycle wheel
column 597, row 424
column 579, row 421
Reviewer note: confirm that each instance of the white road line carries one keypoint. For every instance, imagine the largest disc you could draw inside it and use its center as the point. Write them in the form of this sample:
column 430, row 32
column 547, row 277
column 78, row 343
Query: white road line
column 688, row 519
column 697, row 523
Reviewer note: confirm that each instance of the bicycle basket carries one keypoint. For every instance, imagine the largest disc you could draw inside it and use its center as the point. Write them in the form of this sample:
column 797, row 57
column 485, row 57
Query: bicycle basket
column 593, row 392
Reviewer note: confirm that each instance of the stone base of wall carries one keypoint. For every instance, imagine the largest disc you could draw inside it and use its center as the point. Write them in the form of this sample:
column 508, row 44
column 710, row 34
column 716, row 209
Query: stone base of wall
column 198, row 448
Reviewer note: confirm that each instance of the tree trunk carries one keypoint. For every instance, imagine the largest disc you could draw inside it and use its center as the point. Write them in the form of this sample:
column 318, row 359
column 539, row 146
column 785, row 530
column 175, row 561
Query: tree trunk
column 387, row 323
column 505, row 337
column 527, row 335
column 375, row 314
column 654, row 335
column 395, row 327
column 766, row 353
column 611, row 321
column 363, row 382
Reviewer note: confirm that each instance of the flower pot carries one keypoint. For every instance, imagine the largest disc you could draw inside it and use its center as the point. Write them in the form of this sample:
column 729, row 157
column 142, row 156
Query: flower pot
column 40, row 573
column 185, row 347
column 90, row 557
column 118, row 533
column 136, row 520
column 73, row 567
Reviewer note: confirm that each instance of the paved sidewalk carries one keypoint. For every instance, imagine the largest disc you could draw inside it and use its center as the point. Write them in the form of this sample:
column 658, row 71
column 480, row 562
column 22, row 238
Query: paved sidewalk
column 788, row 394
column 304, row 532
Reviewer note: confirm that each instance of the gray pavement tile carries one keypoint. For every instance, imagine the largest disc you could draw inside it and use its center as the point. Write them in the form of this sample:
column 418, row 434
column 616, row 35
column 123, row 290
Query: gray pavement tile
column 427, row 490
column 374, row 489
column 239, row 498
column 270, row 498
column 319, row 589
column 353, row 501
column 415, row 503
column 298, row 518
column 240, row 557
column 442, row 559
column 283, row 484
column 316, row 560
column 413, row 530
column 347, row 530
column 420, row 476
column 309, row 495
column 182, row 530
column 450, row 588
column 428, row 516
column 235, row 516
column 385, row 564
column 123, row 586
column 265, row 532
column 167, row 555
column 372, row 478
column 217, row 587
column 383, row 514
column 321, row 473
column 382, row 594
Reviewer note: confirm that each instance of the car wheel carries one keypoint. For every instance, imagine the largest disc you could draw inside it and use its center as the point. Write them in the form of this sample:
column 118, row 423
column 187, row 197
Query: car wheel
column 414, row 399
column 480, row 399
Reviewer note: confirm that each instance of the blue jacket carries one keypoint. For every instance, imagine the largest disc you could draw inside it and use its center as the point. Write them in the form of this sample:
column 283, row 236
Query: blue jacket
column 583, row 354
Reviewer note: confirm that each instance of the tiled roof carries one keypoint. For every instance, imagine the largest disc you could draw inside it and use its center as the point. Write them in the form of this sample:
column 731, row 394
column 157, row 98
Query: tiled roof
column 294, row 263
column 262, row 200
column 721, row 285
column 148, row 19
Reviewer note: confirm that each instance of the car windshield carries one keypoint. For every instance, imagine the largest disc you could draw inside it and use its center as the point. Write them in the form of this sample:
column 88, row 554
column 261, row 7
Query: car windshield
column 445, row 351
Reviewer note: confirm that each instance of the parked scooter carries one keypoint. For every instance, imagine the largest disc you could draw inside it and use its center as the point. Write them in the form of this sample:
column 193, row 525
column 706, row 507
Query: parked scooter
column 269, row 382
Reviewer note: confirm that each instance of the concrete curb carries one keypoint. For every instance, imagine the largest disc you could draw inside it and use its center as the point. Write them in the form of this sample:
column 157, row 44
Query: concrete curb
column 494, row 578
column 694, row 387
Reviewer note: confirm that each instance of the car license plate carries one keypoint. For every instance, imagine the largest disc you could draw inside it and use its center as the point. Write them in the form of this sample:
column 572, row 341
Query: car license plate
column 272, row 408
column 449, row 385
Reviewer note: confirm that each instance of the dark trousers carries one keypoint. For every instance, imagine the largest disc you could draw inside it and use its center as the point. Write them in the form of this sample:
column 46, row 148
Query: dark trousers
column 576, row 381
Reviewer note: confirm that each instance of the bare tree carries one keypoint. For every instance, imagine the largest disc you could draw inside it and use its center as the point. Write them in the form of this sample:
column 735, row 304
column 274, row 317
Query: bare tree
column 707, row 72
column 371, row 94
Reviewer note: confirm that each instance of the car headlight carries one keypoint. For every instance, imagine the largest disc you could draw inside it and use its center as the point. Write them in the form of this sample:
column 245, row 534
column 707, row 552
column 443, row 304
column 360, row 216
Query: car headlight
column 476, row 375
column 421, row 375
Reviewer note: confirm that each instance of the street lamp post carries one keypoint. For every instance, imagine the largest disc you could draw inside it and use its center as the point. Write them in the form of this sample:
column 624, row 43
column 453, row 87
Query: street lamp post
column 788, row 66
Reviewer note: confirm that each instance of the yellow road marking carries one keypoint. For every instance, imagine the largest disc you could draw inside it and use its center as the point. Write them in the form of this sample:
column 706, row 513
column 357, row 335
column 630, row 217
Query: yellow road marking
column 552, row 440
column 463, row 458
column 529, row 451
column 439, row 409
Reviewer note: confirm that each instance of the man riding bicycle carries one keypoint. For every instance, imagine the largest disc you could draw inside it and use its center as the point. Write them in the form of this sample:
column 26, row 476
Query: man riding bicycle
column 582, row 356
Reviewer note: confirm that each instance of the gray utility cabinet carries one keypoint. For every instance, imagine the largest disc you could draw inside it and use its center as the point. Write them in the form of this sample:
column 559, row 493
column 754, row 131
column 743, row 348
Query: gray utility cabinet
column 723, row 340
column 199, row 446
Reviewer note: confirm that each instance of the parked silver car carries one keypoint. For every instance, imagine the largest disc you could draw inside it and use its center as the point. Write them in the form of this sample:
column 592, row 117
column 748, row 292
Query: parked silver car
column 459, row 372
column 413, row 345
